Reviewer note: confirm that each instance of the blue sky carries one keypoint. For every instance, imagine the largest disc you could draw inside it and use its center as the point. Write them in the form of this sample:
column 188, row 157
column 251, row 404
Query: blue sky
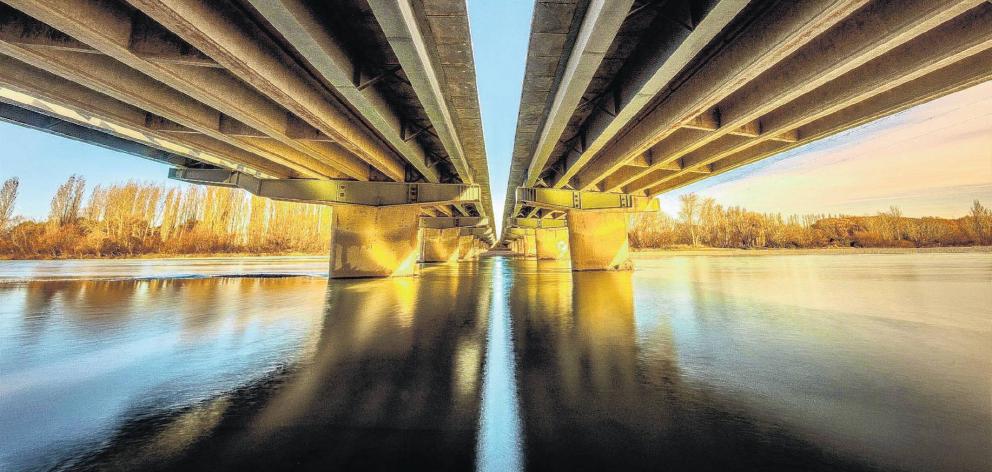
column 42, row 161
column 931, row 160
column 500, row 33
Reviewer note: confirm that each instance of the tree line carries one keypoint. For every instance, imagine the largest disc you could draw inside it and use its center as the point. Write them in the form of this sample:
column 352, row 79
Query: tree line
column 704, row 222
column 134, row 218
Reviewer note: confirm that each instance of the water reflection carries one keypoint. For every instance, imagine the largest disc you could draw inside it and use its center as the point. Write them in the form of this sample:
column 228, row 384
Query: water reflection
column 391, row 381
column 79, row 358
column 636, row 373
column 500, row 441
column 506, row 364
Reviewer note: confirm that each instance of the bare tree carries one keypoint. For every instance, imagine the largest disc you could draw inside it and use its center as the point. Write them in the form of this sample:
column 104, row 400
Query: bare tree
column 981, row 220
column 690, row 207
column 67, row 200
column 8, row 195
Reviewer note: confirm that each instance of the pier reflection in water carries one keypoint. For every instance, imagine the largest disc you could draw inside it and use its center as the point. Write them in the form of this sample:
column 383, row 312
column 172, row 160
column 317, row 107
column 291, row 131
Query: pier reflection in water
column 602, row 388
column 686, row 364
column 757, row 363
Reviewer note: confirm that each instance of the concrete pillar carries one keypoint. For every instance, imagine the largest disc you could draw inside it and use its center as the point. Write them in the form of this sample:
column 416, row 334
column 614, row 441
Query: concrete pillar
column 439, row 245
column 466, row 248
column 551, row 243
column 373, row 241
column 597, row 240
column 530, row 244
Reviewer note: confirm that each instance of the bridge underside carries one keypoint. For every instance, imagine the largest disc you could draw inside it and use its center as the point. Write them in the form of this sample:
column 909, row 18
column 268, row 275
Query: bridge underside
column 636, row 98
column 368, row 105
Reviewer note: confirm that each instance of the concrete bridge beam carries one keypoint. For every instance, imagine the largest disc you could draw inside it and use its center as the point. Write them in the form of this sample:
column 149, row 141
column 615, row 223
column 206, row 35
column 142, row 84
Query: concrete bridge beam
column 371, row 241
column 108, row 27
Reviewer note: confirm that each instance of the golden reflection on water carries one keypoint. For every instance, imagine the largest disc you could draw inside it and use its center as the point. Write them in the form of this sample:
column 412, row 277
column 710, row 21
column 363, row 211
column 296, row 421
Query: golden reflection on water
column 687, row 364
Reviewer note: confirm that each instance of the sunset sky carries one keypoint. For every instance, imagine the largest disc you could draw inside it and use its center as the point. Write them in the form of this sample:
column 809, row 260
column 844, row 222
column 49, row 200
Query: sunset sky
column 934, row 159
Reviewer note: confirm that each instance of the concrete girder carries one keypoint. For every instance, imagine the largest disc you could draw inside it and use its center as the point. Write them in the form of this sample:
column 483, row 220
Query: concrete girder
column 193, row 153
column 220, row 30
column 442, row 222
column 444, row 210
column 584, row 200
column 779, row 32
column 109, row 77
column 107, row 27
column 335, row 192
column 402, row 29
column 961, row 38
column 640, row 87
column 600, row 24
column 959, row 76
column 538, row 223
column 59, row 127
column 148, row 40
column 26, row 86
column 868, row 34
column 614, row 182
column 296, row 22
column 710, row 121
column 653, row 69
column 478, row 232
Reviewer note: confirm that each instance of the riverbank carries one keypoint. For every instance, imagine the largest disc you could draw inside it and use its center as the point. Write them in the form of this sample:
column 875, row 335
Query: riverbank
column 712, row 251
column 674, row 251
column 221, row 255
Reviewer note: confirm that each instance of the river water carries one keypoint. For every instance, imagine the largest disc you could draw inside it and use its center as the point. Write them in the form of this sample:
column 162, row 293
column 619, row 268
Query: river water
column 794, row 362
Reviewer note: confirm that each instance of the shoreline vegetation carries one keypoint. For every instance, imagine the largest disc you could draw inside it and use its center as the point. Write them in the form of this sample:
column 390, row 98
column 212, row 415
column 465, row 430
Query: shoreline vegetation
column 704, row 223
column 135, row 219
column 155, row 221
column 719, row 251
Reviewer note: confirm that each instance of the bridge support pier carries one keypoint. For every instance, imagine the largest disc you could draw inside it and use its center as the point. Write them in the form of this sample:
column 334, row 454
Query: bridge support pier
column 530, row 244
column 439, row 245
column 551, row 243
column 597, row 240
column 467, row 248
column 371, row 241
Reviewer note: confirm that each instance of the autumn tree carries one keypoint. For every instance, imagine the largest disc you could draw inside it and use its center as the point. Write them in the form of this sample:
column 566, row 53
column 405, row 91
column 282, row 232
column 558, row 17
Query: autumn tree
column 690, row 207
column 67, row 200
column 981, row 222
column 8, row 196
